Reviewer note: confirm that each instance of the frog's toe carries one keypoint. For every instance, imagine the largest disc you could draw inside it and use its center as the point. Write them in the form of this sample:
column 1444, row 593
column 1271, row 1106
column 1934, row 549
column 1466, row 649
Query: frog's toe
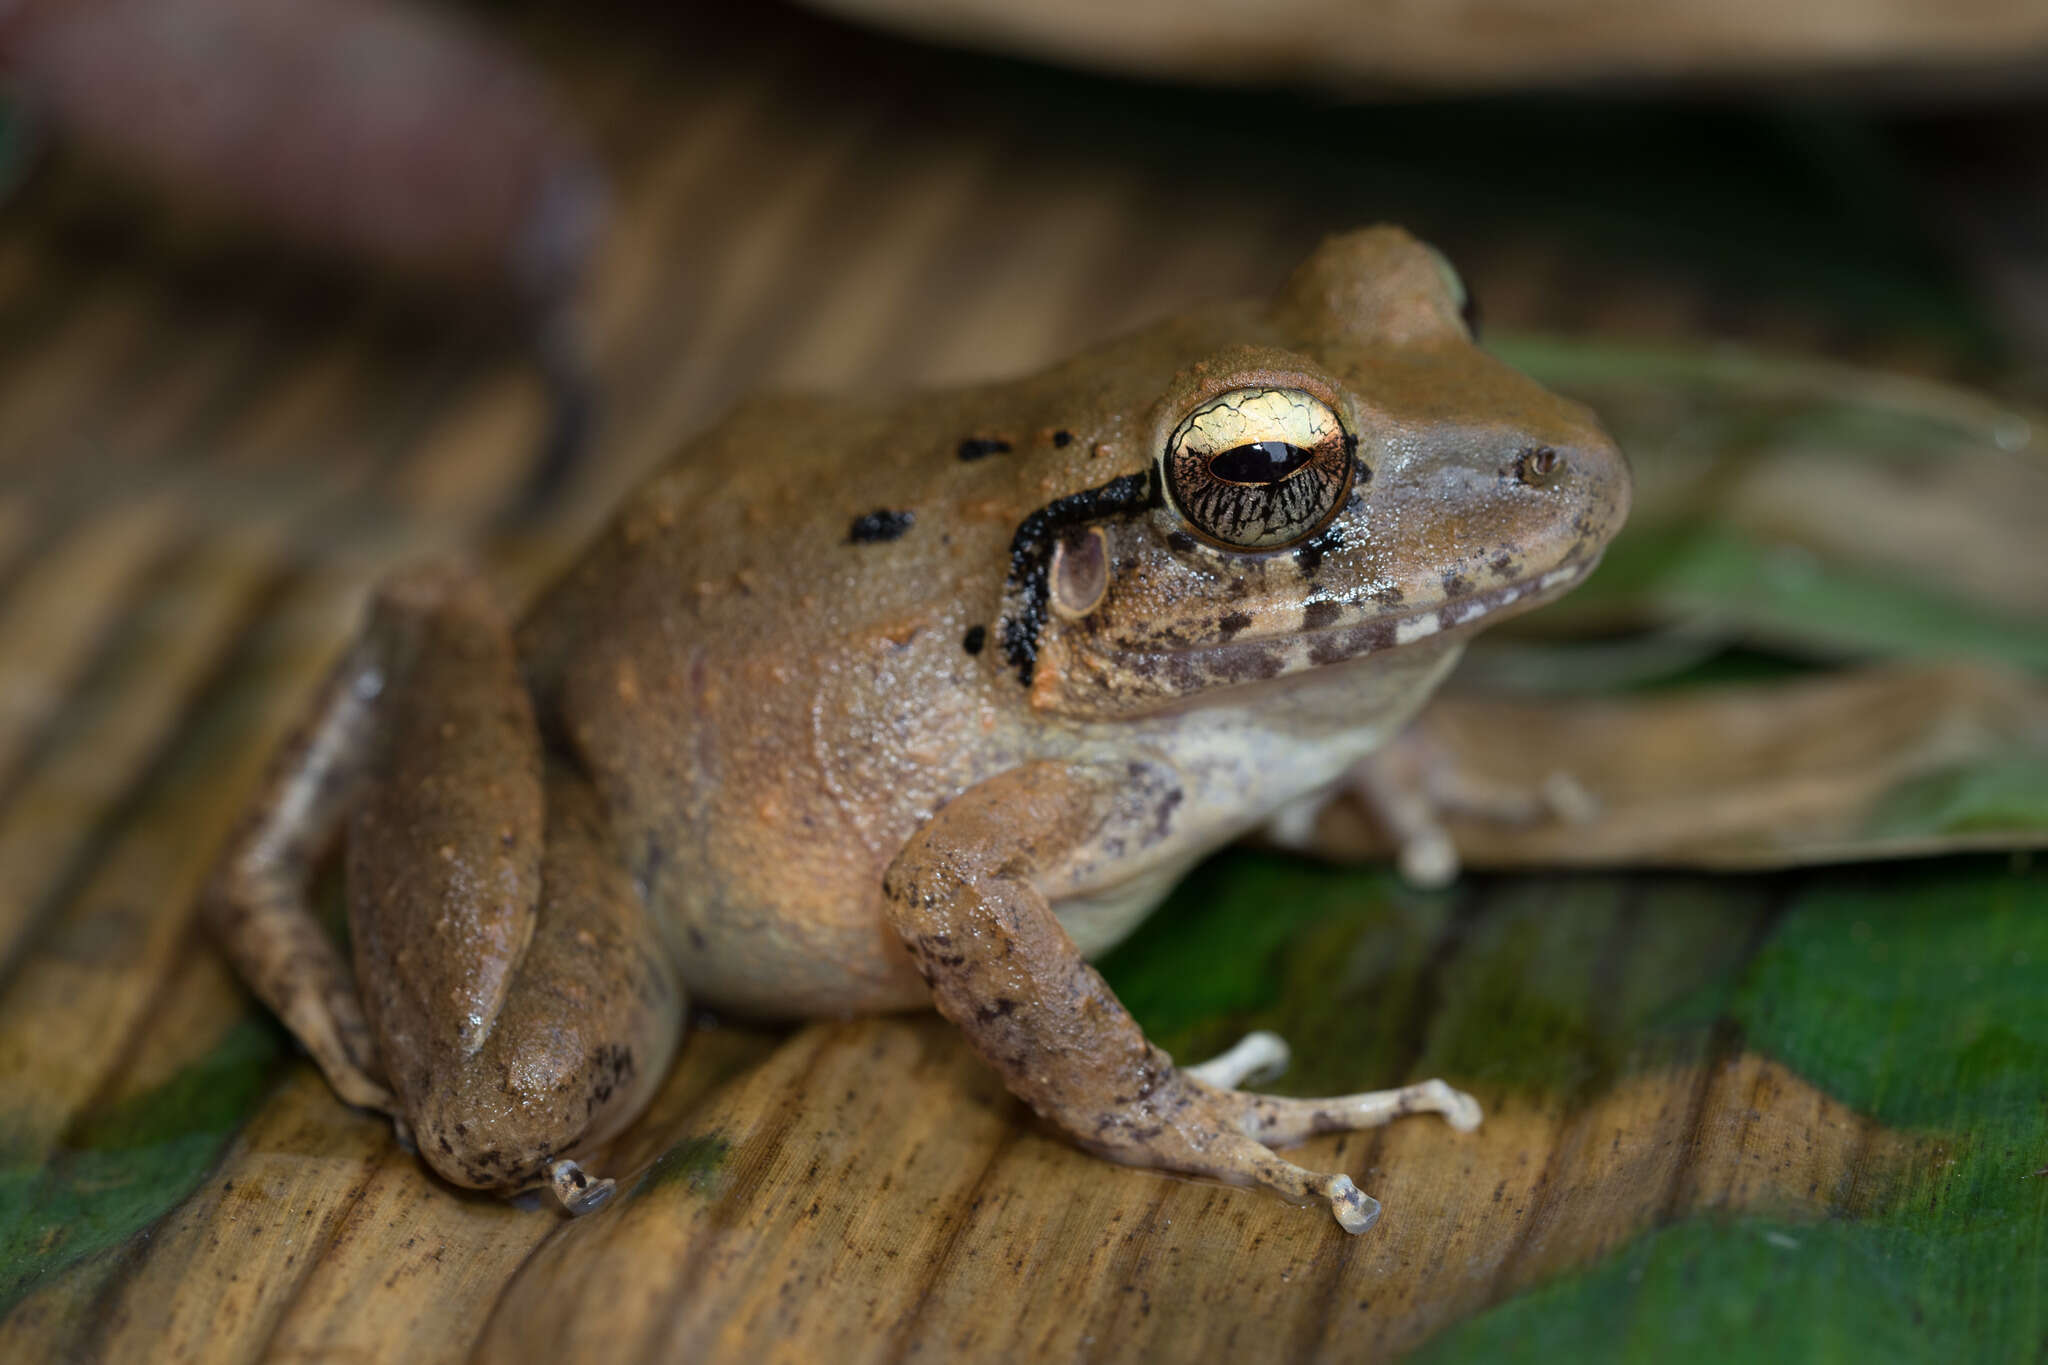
column 1279, row 1120
column 1459, row 1109
column 1355, row 1210
column 1241, row 1160
column 578, row 1190
column 1262, row 1055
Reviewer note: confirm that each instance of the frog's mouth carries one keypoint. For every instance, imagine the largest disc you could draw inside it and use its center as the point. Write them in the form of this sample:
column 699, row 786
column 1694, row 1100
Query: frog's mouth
column 1478, row 607
column 1333, row 631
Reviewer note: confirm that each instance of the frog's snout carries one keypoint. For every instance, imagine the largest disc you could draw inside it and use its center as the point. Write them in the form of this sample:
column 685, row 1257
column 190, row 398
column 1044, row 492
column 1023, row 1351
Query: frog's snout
column 1591, row 474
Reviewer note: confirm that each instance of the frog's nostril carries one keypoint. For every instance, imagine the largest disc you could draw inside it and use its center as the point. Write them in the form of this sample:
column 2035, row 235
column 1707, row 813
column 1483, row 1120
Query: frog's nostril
column 1539, row 466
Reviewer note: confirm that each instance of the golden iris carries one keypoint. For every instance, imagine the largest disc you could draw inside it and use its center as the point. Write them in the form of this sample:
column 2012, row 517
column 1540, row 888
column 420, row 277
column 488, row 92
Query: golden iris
column 1257, row 469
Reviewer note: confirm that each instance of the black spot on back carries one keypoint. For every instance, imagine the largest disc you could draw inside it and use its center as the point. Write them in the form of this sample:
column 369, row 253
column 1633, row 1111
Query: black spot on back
column 981, row 447
column 1229, row 626
column 1062, row 438
column 976, row 637
column 880, row 524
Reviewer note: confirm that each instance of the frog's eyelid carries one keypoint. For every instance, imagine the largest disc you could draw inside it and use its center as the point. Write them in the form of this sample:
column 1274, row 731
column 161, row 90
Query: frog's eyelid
column 1245, row 416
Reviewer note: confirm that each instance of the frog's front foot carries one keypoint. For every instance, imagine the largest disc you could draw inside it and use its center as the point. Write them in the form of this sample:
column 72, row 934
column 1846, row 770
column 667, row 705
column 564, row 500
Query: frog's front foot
column 1264, row 1055
column 1273, row 1120
column 1234, row 1132
column 1001, row 967
column 1412, row 787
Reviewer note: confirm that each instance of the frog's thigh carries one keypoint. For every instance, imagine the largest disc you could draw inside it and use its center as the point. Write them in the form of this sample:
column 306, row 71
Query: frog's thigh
column 589, row 1023
column 965, row 895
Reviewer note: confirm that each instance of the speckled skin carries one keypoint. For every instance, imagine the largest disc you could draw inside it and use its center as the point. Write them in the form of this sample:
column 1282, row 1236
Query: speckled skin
column 878, row 703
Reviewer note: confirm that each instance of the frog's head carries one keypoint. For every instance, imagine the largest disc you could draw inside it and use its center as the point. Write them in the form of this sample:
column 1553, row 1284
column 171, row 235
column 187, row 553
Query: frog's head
column 1363, row 481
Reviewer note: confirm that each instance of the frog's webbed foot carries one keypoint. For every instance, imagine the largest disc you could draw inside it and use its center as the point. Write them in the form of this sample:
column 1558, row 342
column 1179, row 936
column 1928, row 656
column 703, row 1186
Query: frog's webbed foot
column 964, row 896
column 1411, row 786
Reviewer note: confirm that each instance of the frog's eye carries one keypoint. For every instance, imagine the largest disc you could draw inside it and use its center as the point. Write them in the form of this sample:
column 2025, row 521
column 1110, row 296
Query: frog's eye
column 1259, row 468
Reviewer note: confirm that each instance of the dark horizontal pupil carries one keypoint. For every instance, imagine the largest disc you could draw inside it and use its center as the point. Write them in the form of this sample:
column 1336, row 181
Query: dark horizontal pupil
column 1259, row 462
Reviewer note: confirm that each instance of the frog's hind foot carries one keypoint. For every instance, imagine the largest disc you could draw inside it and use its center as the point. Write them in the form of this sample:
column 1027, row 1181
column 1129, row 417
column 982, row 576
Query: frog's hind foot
column 578, row 1190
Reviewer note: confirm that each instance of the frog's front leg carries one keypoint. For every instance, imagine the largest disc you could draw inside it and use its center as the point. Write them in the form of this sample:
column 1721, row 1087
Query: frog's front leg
column 966, row 896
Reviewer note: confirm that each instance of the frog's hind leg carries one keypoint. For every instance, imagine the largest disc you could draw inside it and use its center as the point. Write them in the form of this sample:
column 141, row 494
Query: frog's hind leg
column 522, row 1002
column 589, row 1022
column 966, row 896
column 256, row 906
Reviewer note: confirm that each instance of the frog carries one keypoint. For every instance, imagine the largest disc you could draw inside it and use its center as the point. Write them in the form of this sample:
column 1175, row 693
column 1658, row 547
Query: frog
column 865, row 704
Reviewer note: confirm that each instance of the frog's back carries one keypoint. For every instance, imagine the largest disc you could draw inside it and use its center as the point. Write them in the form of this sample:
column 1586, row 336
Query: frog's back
column 780, row 658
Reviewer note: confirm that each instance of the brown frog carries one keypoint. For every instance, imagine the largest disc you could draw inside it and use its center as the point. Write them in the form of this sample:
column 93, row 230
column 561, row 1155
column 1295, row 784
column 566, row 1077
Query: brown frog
column 861, row 705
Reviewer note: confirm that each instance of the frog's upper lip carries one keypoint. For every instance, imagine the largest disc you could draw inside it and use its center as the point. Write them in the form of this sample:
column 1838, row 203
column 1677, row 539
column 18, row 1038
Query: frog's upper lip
column 1470, row 610
column 1391, row 630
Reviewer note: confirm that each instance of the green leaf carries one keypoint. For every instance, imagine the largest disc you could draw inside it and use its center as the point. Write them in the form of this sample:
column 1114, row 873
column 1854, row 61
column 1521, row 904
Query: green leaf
column 1922, row 997
column 1788, row 599
column 128, row 1165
